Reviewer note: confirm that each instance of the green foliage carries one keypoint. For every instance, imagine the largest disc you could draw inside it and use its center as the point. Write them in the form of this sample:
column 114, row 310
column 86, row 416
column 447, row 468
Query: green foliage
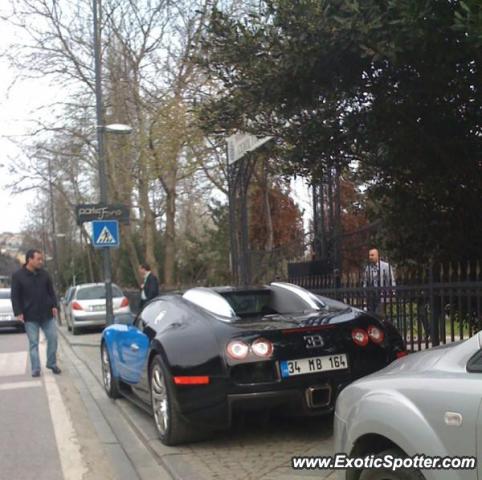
column 394, row 85
column 205, row 256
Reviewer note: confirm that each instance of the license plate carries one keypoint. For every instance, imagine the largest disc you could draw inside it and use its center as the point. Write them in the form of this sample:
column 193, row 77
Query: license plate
column 6, row 316
column 290, row 368
column 98, row 308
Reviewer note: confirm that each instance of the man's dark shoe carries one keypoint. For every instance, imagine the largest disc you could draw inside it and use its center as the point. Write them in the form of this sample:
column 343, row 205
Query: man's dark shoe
column 55, row 370
column 36, row 373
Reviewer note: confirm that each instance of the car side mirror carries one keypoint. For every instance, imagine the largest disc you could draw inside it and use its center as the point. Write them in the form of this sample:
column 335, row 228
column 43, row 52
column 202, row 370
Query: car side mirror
column 126, row 318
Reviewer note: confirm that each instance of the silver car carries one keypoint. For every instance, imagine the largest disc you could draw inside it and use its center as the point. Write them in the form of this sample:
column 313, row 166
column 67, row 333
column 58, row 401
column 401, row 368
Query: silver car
column 7, row 317
column 84, row 305
column 427, row 403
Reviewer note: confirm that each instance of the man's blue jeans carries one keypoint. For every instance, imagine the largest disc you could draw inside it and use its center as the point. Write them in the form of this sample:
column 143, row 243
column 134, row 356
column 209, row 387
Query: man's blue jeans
column 49, row 327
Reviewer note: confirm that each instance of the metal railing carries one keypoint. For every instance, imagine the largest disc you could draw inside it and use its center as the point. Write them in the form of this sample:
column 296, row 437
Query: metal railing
column 429, row 306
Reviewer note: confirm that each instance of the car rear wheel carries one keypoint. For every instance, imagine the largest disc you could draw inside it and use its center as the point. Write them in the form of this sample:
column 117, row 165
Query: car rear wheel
column 75, row 330
column 386, row 474
column 111, row 384
column 171, row 427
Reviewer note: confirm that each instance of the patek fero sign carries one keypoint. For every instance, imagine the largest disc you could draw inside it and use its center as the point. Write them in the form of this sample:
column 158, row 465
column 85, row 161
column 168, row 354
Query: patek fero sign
column 100, row 211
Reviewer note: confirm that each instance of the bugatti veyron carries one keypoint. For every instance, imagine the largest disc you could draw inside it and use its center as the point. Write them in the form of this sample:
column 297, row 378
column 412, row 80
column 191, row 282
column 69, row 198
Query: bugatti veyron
column 193, row 359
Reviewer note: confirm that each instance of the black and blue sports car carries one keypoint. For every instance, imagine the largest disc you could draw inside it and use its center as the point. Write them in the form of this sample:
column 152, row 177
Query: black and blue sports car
column 193, row 359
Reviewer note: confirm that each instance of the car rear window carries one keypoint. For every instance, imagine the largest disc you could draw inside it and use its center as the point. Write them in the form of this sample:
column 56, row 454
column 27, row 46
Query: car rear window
column 4, row 294
column 97, row 292
column 250, row 303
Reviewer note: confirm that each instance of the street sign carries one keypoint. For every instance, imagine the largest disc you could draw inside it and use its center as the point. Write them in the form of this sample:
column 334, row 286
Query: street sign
column 105, row 233
column 241, row 143
column 100, row 211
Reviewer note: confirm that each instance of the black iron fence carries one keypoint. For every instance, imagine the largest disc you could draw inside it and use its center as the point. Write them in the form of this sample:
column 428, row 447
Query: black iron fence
column 429, row 306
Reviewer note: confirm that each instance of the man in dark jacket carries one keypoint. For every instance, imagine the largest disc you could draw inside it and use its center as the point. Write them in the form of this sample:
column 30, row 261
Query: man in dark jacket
column 35, row 304
column 149, row 286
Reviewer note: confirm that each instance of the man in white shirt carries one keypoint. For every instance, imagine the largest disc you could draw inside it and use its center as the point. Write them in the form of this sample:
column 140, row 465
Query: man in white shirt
column 150, row 285
column 377, row 277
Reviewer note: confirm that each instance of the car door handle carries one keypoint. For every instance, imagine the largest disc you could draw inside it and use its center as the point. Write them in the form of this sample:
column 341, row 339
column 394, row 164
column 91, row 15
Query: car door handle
column 134, row 347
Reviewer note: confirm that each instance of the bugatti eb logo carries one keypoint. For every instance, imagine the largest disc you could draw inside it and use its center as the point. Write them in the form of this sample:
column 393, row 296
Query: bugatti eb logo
column 313, row 341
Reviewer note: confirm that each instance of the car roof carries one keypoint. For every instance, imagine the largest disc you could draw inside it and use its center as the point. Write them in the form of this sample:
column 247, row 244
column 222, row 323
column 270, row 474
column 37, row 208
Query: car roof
column 88, row 285
column 246, row 289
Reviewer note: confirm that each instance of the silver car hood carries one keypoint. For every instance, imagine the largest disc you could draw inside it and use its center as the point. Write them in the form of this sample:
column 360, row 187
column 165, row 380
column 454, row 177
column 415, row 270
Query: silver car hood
column 450, row 357
column 415, row 369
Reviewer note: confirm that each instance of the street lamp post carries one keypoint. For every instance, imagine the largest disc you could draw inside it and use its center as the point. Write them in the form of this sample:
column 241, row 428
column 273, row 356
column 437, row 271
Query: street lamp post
column 101, row 159
column 101, row 129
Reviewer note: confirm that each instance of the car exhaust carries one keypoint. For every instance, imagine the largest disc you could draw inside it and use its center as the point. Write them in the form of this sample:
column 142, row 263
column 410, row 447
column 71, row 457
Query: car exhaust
column 318, row 396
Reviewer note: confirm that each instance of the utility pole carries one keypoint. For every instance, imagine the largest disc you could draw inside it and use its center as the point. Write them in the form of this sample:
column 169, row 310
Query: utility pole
column 107, row 263
column 54, row 229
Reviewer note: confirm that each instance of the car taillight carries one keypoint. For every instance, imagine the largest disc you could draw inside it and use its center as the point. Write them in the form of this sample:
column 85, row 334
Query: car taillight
column 76, row 306
column 199, row 380
column 125, row 302
column 360, row 337
column 401, row 354
column 262, row 348
column 376, row 334
column 237, row 349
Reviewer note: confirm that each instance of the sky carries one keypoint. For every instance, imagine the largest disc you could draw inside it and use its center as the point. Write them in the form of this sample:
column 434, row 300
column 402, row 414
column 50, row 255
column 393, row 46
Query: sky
column 19, row 105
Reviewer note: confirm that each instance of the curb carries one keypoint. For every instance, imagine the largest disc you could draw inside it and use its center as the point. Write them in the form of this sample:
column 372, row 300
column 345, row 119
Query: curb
column 129, row 457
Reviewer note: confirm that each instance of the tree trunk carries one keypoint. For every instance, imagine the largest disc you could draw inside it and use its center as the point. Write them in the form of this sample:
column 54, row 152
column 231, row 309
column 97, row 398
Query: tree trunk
column 149, row 224
column 131, row 248
column 170, row 237
column 90, row 266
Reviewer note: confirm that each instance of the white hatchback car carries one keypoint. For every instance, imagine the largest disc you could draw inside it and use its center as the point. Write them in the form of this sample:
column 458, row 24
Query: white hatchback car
column 7, row 317
column 85, row 305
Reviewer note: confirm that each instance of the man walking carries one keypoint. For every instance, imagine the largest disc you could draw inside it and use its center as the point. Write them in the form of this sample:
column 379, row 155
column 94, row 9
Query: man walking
column 378, row 276
column 35, row 304
column 150, row 285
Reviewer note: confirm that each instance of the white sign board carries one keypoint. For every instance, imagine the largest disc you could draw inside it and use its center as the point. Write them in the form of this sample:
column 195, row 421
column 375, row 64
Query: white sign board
column 241, row 143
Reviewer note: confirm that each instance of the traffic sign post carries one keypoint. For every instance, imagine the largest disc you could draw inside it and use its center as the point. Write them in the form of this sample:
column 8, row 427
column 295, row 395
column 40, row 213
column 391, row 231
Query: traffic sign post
column 105, row 234
column 239, row 169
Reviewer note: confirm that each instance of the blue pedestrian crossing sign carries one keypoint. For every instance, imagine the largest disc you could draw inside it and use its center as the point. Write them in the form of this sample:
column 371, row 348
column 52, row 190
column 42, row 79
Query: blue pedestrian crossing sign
column 105, row 233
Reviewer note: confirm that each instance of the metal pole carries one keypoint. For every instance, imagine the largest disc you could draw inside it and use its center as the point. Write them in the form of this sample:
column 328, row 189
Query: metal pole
column 338, row 226
column 316, row 224
column 54, row 229
column 245, row 260
column 97, row 6
column 232, row 175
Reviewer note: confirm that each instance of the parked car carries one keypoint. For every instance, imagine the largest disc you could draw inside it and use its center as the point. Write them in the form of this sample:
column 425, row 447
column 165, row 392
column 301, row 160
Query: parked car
column 193, row 359
column 85, row 306
column 7, row 317
column 427, row 403
column 64, row 303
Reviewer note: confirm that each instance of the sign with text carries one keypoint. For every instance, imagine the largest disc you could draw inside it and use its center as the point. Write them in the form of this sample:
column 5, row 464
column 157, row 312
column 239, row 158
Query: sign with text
column 240, row 144
column 88, row 212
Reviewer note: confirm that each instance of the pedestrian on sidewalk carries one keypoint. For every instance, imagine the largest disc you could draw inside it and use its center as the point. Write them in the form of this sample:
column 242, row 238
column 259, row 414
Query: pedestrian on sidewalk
column 150, row 285
column 35, row 304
